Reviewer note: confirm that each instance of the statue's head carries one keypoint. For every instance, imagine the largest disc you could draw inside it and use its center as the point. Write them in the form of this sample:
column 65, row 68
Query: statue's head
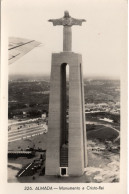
column 66, row 14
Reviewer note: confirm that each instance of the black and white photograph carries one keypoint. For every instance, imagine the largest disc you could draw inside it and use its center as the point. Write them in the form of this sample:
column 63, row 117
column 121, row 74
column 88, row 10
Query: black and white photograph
column 65, row 94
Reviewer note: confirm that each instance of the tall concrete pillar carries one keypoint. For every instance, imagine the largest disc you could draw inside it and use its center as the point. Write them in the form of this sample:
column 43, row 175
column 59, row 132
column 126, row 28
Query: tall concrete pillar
column 70, row 154
column 54, row 122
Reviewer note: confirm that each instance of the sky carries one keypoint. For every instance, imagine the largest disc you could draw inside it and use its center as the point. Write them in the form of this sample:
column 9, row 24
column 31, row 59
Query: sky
column 102, row 39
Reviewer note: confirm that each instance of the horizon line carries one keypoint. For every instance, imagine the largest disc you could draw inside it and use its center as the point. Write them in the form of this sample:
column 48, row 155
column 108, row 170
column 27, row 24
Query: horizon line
column 84, row 76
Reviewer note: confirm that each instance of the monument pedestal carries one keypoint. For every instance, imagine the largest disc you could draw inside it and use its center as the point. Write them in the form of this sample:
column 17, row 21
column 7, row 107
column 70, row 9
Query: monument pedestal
column 77, row 159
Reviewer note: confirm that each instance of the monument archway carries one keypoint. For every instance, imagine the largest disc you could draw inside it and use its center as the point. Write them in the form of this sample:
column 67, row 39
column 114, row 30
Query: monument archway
column 64, row 116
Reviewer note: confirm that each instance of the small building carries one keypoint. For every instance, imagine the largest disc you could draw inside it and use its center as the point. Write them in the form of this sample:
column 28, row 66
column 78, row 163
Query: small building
column 24, row 114
column 43, row 116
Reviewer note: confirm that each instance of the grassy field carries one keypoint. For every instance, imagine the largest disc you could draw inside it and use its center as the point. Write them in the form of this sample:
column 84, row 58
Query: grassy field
column 38, row 141
column 101, row 133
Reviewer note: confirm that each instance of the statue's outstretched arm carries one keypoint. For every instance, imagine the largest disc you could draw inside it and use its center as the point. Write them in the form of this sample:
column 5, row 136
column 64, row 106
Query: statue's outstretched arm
column 56, row 21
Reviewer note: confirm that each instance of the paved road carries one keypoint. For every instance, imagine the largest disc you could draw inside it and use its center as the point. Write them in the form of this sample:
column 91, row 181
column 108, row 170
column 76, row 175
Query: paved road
column 105, row 125
column 21, row 122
